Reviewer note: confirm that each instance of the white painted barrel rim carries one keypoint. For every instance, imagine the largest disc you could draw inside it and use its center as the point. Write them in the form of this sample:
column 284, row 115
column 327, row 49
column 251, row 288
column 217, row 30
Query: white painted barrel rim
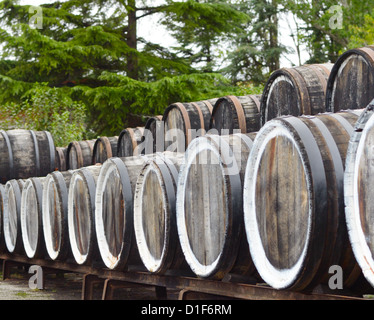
column 197, row 145
column 357, row 237
column 276, row 278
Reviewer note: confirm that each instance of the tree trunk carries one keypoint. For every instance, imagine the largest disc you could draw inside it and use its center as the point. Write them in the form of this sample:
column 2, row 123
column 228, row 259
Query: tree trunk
column 132, row 60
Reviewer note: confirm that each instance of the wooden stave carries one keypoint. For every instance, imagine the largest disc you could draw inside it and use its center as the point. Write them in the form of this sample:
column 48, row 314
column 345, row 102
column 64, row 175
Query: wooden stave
column 16, row 144
column 367, row 53
column 88, row 175
column 228, row 260
column 153, row 128
column 303, row 281
column 305, row 105
column 83, row 151
column 61, row 181
column 193, row 118
column 36, row 184
column 60, row 159
column 245, row 119
column 127, row 170
column 17, row 245
column 166, row 166
column 135, row 136
column 109, row 149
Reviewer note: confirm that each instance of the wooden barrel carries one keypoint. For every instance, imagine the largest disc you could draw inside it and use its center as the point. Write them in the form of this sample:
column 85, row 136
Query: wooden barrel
column 25, row 154
column 55, row 215
column 351, row 82
column 31, row 218
column 128, row 142
column 210, row 207
column 183, row 122
column 60, row 158
column 358, row 180
column 104, row 148
column 233, row 114
column 153, row 135
column 154, row 213
column 295, row 91
column 12, row 213
column 294, row 202
column 79, row 154
column 114, row 211
column 81, row 215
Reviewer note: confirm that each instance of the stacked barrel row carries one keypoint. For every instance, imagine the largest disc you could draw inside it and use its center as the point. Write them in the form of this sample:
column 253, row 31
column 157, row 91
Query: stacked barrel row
column 281, row 203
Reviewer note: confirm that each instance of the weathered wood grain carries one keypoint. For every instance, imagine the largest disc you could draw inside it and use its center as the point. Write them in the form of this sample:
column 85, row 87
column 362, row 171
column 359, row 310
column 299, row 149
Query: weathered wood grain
column 104, row 148
column 351, row 82
column 79, row 154
column 129, row 141
column 236, row 114
column 25, row 154
column 183, row 122
column 295, row 91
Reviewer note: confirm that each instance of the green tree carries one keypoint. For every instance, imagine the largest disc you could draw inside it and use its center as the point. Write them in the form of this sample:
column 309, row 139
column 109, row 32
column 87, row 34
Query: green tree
column 329, row 25
column 90, row 52
column 257, row 49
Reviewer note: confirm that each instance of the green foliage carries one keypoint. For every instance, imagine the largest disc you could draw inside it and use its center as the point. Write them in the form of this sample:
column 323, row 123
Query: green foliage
column 47, row 109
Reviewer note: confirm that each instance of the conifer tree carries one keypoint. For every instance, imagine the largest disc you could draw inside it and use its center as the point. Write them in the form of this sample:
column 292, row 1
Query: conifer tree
column 89, row 51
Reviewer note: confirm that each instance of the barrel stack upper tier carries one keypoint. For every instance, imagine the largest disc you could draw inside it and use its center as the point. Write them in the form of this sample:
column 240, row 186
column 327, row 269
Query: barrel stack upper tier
column 295, row 91
column 234, row 114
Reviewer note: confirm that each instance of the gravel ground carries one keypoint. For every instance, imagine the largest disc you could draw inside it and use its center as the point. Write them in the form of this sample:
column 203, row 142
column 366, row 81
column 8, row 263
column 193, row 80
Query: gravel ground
column 65, row 286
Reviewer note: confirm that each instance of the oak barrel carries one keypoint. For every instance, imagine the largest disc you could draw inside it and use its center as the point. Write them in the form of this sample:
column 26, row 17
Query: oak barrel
column 11, row 215
column 233, row 114
column 114, row 211
column 31, row 218
column 358, row 181
column 104, row 148
column 81, row 215
column 295, row 91
column 60, row 158
column 79, row 154
column 153, row 135
column 210, row 207
column 25, row 154
column 185, row 121
column 154, row 213
column 129, row 142
column 351, row 82
column 294, row 200
column 55, row 214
